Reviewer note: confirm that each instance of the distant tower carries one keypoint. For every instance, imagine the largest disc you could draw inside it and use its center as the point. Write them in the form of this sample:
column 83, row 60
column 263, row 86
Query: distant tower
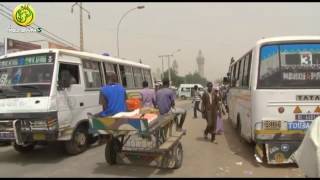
column 175, row 66
column 200, row 62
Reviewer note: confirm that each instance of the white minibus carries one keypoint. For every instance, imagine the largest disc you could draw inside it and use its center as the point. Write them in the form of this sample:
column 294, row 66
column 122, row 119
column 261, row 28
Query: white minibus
column 274, row 94
column 38, row 104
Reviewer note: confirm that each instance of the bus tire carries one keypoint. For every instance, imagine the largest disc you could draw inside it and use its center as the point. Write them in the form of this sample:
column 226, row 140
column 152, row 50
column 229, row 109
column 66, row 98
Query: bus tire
column 79, row 141
column 183, row 97
column 23, row 148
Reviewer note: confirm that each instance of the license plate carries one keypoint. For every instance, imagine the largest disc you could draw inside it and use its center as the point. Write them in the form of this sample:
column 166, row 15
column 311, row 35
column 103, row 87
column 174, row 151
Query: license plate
column 7, row 135
column 271, row 125
column 39, row 136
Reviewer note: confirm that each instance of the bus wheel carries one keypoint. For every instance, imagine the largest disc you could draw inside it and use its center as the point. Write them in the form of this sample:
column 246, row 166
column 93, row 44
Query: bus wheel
column 183, row 97
column 79, row 141
column 23, row 148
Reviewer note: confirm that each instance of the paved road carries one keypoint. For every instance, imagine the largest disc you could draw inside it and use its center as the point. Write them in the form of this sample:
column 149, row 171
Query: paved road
column 228, row 158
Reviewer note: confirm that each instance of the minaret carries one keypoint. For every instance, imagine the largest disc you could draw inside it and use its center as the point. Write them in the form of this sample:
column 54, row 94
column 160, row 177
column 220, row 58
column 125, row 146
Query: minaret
column 200, row 62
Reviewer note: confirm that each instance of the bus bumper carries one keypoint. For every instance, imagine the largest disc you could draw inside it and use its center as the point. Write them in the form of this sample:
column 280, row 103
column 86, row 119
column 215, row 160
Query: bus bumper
column 14, row 130
column 277, row 146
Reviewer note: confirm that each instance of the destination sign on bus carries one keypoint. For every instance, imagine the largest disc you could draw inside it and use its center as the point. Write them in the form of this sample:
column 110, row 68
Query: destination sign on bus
column 27, row 60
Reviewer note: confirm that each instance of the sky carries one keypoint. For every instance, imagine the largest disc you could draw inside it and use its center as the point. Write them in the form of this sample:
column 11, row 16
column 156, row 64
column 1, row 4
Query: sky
column 219, row 30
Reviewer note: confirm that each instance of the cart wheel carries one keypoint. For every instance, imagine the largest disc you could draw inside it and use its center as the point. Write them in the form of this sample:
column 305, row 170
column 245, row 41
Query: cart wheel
column 112, row 148
column 165, row 162
column 173, row 158
column 178, row 156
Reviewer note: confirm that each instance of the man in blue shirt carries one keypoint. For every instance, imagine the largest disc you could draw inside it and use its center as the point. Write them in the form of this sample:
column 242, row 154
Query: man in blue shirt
column 165, row 101
column 112, row 97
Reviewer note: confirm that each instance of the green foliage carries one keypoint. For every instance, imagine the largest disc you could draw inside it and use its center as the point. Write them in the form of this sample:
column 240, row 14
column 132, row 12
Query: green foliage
column 190, row 78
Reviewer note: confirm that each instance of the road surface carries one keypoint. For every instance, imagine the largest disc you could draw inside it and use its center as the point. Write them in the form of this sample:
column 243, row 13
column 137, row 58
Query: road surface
column 228, row 158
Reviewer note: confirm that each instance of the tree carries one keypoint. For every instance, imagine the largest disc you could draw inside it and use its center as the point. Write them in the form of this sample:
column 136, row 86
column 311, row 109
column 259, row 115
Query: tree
column 195, row 78
column 175, row 78
column 218, row 81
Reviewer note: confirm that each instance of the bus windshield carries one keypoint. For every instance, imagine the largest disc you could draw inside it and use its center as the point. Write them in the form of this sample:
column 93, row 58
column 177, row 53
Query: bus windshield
column 23, row 76
column 287, row 66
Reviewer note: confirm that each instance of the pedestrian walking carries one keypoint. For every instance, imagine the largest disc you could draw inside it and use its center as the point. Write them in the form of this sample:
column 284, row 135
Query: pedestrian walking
column 219, row 127
column 209, row 108
column 196, row 100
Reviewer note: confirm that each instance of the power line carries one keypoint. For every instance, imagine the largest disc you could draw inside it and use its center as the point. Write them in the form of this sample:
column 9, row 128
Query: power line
column 66, row 42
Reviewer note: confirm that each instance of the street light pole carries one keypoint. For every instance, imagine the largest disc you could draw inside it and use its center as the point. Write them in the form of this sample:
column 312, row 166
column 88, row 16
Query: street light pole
column 124, row 15
column 81, row 22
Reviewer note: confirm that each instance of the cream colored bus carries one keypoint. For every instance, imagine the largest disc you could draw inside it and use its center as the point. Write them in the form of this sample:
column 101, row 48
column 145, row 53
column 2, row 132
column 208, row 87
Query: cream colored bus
column 275, row 94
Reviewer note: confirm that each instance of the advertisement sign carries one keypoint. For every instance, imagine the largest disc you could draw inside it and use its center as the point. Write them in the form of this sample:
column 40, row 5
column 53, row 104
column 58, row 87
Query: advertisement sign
column 15, row 46
column 58, row 46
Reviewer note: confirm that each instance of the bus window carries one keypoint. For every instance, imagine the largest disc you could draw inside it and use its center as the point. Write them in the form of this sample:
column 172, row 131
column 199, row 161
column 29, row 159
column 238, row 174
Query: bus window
column 243, row 63
column 111, row 68
column 289, row 66
column 126, row 76
column 233, row 76
column 108, row 67
column 240, row 72
column 92, row 74
column 246, row 74
column 147, row 77
column 73, row 71
column 137, row 73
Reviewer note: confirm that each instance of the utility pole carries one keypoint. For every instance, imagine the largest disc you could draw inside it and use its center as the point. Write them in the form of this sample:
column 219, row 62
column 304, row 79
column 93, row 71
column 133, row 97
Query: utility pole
column 81, row 27
column 169, row 65
column 162, row 75
column 81, row 22
column 169, row 73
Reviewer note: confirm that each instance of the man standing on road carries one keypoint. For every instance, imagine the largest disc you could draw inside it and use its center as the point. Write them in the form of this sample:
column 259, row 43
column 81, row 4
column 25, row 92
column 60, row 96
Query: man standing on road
column 147, row 95
column 209, row 109
column 165, row 101
column 196, row 99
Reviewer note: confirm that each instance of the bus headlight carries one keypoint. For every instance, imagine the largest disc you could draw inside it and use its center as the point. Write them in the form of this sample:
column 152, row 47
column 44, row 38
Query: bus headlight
column 44, row 124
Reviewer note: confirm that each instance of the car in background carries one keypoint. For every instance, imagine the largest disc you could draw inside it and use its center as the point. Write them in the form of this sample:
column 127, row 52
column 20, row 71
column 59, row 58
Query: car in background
column 184, row 90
